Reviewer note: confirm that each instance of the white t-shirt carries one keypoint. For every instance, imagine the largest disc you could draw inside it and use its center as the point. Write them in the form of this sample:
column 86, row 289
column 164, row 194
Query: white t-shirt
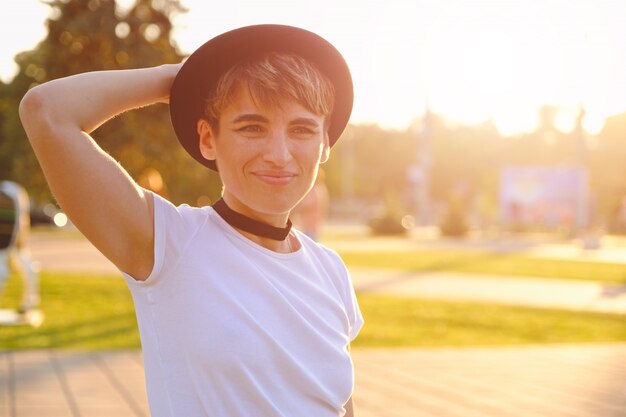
column 231, row 329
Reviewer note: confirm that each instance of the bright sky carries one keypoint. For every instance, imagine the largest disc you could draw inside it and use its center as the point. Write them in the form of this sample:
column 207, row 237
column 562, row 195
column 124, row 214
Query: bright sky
column 472, row 61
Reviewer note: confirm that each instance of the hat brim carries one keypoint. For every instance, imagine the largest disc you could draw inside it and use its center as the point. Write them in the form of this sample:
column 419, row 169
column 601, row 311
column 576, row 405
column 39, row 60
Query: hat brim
column 200, row 73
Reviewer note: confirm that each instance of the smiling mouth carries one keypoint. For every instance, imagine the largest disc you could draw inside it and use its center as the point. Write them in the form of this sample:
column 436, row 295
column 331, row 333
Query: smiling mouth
column 275, row 177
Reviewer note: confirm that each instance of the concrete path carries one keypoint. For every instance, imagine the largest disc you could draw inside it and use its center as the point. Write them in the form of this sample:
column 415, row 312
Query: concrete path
column 68, row 254
column 546, row 381
column 523, row 291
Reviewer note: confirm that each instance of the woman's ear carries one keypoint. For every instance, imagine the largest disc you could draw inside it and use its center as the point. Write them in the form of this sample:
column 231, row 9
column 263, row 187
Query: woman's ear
column 207, row 139
column 325, row 149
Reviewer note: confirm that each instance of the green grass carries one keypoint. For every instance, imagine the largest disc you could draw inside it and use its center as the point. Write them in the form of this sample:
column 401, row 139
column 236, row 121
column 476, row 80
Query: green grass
column 96, row 312
column 86, row 312
column 487, row 263
column 396, row 322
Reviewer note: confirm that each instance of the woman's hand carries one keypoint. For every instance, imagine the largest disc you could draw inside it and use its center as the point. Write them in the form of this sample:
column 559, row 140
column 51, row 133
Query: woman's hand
column 171, row 71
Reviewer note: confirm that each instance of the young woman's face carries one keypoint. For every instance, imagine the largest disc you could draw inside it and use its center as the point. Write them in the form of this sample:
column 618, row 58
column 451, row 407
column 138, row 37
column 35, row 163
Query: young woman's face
column 267, row 157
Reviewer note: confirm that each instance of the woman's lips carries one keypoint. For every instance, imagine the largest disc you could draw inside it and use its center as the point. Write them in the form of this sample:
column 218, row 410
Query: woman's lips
column 275, row 177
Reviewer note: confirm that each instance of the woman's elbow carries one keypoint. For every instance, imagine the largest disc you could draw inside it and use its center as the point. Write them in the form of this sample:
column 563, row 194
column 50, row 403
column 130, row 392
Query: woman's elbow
column 31, row 105
column 33, row 112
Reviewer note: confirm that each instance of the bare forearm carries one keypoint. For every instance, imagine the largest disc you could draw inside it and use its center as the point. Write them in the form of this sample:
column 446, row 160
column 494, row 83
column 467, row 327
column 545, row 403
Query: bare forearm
column 87, row 100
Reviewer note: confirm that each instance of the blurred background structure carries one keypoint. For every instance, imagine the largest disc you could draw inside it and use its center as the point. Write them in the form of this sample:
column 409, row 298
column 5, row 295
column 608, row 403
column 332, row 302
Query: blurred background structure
column 15, row 255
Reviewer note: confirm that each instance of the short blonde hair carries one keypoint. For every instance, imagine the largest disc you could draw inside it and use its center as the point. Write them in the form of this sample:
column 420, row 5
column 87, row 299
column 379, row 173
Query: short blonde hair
column 271, row 79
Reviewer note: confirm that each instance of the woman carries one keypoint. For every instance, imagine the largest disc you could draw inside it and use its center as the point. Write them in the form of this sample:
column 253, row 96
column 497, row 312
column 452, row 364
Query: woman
column 238, row 314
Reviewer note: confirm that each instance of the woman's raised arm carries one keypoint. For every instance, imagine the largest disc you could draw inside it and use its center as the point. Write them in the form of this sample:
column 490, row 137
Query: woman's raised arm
column 96, row 193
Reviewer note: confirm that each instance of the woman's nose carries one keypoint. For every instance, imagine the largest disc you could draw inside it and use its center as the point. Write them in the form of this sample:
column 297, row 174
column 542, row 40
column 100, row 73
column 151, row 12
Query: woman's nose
column 277, row 150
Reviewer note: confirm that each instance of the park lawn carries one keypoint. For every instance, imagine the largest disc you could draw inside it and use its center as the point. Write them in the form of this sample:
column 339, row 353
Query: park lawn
column 81, row 311
column 403, row 322
column 95, row 312
column 477, row 262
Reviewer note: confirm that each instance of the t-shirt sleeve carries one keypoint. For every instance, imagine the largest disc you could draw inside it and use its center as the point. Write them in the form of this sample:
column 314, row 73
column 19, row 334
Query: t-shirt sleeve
column 174, row 228
column 346, row 288
column 352, row 309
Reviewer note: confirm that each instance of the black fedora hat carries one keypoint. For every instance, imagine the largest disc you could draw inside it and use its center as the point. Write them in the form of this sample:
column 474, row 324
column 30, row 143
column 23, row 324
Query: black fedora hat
column 204, row 67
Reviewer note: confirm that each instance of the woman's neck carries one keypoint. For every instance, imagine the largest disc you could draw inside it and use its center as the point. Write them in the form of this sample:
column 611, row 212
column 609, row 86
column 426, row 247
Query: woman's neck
column 270, row 232
column 289, row 245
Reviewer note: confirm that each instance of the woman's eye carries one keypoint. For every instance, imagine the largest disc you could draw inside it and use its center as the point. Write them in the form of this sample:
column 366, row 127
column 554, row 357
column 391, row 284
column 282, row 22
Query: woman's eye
column 251, row 129
column 303, row 130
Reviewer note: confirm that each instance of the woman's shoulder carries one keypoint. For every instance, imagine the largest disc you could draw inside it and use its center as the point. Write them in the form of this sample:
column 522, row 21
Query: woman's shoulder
column 323, row 253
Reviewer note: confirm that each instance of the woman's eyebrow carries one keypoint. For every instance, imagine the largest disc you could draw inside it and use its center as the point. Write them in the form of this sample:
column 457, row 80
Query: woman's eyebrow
column 250, row 117
column 304, row 121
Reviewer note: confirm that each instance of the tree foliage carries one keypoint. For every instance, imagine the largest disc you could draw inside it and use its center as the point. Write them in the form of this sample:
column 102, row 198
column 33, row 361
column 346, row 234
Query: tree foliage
column 90, row 35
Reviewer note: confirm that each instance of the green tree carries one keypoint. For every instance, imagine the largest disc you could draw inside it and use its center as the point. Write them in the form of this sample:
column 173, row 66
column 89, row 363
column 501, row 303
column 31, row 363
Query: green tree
column 89, row 35
column 379, row 159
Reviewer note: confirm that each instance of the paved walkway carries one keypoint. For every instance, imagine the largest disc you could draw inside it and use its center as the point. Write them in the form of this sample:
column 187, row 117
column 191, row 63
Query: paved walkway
column 523, row 291
column 536, row 381
column 541, row 381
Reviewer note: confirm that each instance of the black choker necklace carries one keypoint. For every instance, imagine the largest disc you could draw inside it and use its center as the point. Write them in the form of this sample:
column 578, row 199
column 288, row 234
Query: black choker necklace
column 249, row 225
